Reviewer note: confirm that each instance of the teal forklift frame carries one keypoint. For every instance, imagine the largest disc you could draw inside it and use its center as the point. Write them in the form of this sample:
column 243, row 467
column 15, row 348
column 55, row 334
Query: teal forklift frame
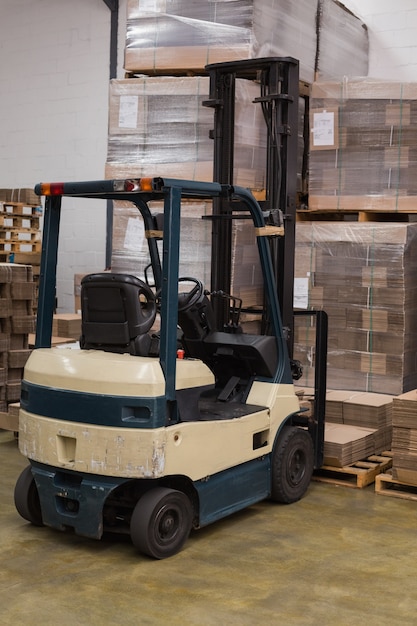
column 171, row 191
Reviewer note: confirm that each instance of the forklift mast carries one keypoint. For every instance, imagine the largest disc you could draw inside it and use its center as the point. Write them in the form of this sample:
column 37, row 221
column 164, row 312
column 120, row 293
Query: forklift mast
column 278, row 80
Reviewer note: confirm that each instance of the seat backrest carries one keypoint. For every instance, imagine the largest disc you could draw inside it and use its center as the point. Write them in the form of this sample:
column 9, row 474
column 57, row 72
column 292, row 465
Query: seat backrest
column 117, row 311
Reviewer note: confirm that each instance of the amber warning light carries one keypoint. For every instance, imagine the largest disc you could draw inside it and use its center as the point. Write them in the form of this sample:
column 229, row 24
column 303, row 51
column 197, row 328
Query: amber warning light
column 138, row 184
column 50, row 189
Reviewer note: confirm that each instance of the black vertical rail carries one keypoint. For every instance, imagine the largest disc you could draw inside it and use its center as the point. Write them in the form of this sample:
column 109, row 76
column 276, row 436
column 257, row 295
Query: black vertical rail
column 169, row 296
column 278, row 79
column 316, row 427
column 47, row 283
column 288, row 126
column 113, row 5
column 222, row 99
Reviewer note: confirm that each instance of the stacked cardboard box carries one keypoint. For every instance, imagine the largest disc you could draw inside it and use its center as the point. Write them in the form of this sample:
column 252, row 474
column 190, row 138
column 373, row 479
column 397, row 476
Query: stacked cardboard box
column 20, row 194
column 404, row 438
column 358, row 424
column 363, row 146
column 364, row 276
column 66, row 325
column 130, row 253
column 344, row 445
column 159, row 126
column 17, row 292
column 323, row 35
column 246, row 275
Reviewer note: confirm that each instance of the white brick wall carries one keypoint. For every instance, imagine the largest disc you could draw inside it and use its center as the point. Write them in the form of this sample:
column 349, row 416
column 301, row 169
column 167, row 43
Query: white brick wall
column 392, row 35
column 54, row 73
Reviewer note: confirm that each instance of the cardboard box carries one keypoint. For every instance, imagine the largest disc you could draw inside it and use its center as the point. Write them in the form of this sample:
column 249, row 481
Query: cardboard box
column 364, row 276
column 66, row 325
column 363, row 146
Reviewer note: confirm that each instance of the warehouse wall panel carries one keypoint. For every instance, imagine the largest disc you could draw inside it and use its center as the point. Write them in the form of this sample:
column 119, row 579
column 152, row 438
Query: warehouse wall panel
column 393, row 45
column 54, row 73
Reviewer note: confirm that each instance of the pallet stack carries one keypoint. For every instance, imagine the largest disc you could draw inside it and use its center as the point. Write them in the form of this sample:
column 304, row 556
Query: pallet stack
column 20, row 229
column 363, row 146
column 357, row 425
column 157, row 123
column 404, row 441
column 364, row 275
column 17, row 293
column 169, row 36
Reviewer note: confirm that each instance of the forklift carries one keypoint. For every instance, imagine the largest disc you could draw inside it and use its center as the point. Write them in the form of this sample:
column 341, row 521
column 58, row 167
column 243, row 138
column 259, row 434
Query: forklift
column 169, row 416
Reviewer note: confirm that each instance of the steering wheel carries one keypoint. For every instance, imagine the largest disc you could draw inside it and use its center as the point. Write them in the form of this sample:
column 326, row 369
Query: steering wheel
column 147, row 307
column 187, row 299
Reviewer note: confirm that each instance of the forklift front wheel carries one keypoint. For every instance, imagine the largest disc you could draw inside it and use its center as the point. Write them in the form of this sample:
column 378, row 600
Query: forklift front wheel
column 26, row 498
column 161, row 522
column 292, row 465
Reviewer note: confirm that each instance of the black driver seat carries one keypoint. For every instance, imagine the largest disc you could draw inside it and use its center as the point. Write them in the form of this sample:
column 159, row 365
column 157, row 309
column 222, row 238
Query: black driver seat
column 117, row 311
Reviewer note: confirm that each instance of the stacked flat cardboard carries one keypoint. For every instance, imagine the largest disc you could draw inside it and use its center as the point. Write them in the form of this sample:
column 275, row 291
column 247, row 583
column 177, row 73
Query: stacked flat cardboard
column 323, row 35
column 67, row 325
column 16, row 322
column 335, row 403
column 130, row 253
column 344, row 445
column 246, row 274
column 10, row 420
column 404, row 438
column 373, row 410
column 23, row 195
column 357, row 425
column 364, row 276
column 159, row 126
column 363, row 146
column 342, row 41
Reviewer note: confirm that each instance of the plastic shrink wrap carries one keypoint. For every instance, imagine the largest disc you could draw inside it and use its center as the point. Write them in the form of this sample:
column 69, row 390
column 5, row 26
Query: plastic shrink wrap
column 324, row 36
column 363, row 153
column 158, row 125
column 364, row 276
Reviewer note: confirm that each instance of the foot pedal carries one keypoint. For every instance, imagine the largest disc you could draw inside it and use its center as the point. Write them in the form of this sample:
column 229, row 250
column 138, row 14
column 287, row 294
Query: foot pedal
column 228, row 390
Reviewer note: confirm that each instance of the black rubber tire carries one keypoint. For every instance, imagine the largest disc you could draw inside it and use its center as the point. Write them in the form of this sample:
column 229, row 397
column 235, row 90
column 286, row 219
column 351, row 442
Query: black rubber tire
column 292, row 465
column 26, row 498
column 161, row 522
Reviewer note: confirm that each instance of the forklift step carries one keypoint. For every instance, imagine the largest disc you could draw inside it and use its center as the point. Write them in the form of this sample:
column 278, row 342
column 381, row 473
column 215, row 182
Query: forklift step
column 386, row 485
column 358, row 475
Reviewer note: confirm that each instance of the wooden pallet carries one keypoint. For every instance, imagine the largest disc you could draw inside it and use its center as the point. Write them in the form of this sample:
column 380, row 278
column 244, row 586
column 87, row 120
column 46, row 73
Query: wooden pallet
column 386, row 485
column 358, row 475
column 352, row 215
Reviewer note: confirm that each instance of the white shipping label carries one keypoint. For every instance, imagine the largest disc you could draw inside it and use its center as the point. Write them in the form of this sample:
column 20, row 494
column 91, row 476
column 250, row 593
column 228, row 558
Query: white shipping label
column 300, row 293
column 128, row 111
column 150, row 5
column 323, row 129
column 134, row 236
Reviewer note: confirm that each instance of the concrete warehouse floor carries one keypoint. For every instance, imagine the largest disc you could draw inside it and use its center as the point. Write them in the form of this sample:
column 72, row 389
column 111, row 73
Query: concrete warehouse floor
column 340, row 556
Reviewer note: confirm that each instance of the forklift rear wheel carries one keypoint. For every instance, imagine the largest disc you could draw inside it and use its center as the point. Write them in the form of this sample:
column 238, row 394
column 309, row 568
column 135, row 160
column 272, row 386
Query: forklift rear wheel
column 292, row 465
column 26, row 498
column 161, row 522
